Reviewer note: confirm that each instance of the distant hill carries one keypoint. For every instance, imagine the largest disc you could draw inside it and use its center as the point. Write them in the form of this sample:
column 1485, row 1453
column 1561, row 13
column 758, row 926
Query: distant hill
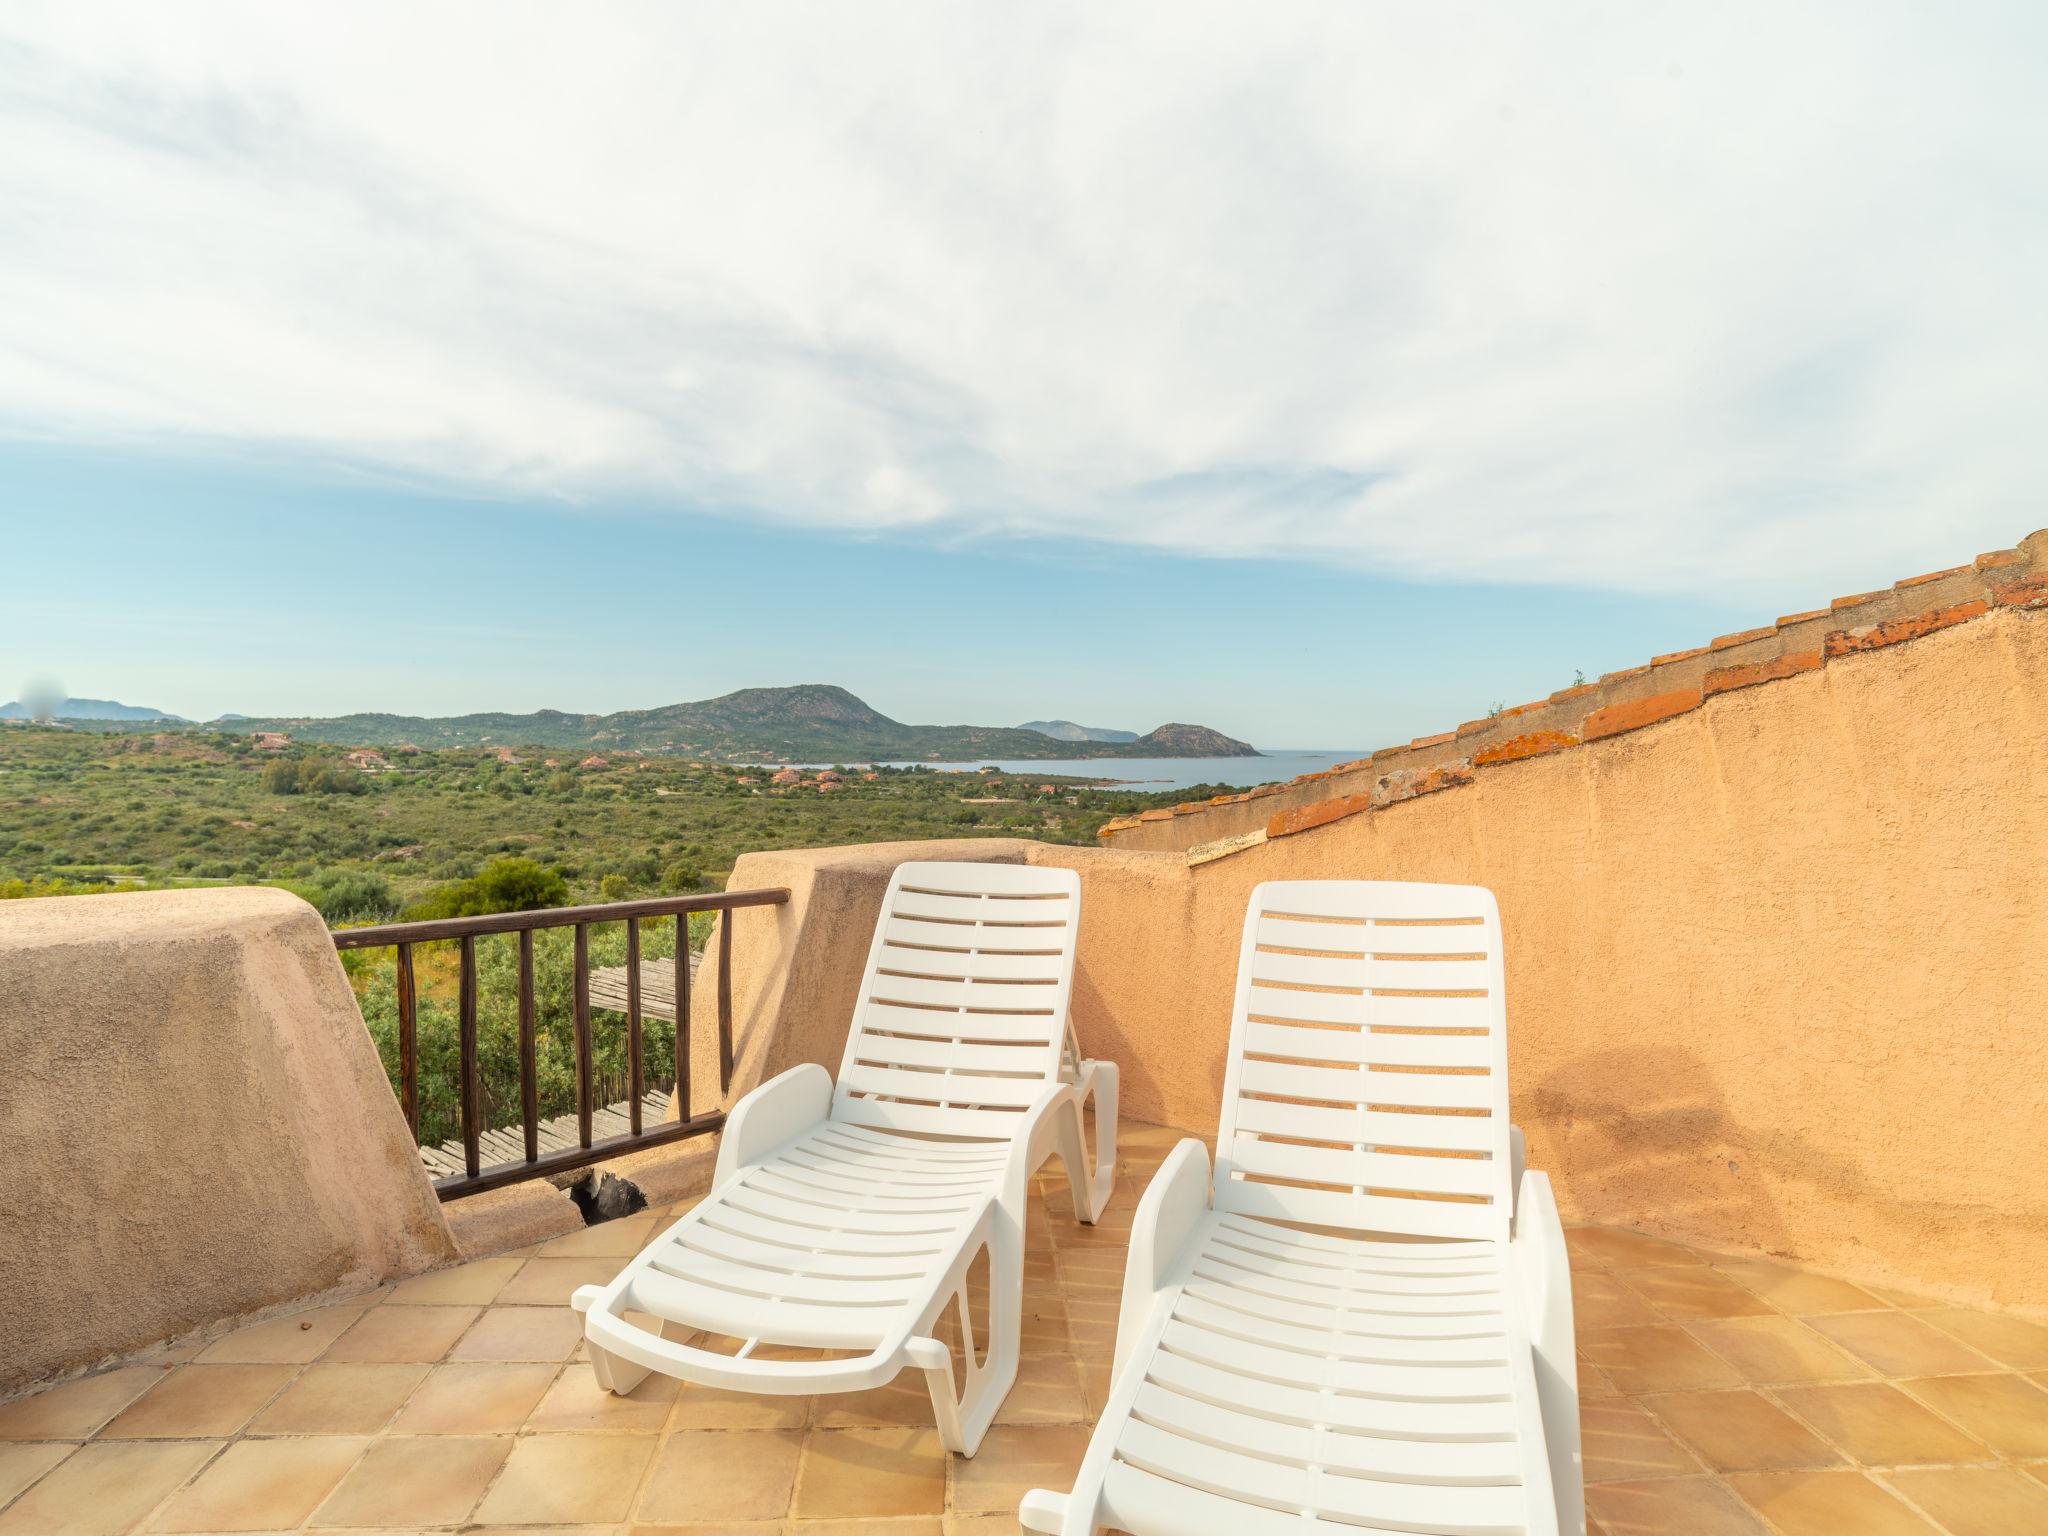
column 1066, row 730
column 92, row 709
column 811, row 722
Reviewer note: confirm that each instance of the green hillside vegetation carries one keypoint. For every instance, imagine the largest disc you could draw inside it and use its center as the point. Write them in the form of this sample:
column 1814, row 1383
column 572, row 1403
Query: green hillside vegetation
column 814, row 722
column 458, row 832
column 84, row 810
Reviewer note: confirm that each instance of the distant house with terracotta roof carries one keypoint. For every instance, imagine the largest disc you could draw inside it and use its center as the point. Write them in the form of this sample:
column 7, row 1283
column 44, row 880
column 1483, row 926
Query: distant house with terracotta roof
column 272, row 741
column 593, row 762
column 366, row 759
column 786, row 776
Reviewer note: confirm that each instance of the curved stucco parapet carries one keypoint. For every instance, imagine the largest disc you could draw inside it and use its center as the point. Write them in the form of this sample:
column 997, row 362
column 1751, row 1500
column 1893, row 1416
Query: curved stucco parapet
column 195, row 1124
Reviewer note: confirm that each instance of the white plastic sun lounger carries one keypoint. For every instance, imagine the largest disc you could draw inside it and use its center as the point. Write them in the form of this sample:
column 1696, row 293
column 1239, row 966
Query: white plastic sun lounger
column 1280, row 1373
column 846, row 1218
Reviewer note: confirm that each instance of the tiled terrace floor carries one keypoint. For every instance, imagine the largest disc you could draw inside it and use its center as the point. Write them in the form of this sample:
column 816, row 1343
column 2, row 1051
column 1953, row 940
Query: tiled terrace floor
column 1721, row 1398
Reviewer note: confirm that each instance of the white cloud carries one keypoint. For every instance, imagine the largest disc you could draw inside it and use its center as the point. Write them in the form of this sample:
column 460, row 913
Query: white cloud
column 1660, row 297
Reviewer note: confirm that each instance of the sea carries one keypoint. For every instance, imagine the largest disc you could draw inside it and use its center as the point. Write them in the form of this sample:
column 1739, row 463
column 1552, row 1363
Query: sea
column 1158, row 773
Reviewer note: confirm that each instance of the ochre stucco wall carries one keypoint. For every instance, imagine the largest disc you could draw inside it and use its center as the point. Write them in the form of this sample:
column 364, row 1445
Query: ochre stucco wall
column 195, row 1123
column 1777, row 968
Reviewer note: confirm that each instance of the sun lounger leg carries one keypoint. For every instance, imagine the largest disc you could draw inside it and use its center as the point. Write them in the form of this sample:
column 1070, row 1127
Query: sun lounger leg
column 1092, row 1191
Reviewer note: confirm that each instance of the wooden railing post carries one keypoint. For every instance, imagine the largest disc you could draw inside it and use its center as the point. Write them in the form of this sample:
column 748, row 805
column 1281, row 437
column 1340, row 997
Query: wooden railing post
column 529, row 1071
column 633, row 1089
column 725, row 1003
column 408, row 1043
column 582, row 979
column 682, row 1022
column 472, row 1103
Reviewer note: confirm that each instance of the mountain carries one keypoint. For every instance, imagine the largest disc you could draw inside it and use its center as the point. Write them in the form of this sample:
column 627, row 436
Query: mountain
column 92, row 709
column 1190, row 741
column 811, row 722
column 1066, row 730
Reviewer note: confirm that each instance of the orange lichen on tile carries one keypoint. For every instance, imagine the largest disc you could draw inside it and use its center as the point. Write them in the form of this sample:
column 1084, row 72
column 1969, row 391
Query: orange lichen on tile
column 1323, row 812
column 1991, row 560
column 1533, row 744
column 1576, row 691
column 1434, row 741
column 1742, row 637
column 1855, row 598
column 1800, row 618
column 1921, row 581
column 1407, row 783
column 1870, row 637
column 1791, row 664
column 2029, row 593
column 1625, row 674
column 1637, row 713
column 1687, row 655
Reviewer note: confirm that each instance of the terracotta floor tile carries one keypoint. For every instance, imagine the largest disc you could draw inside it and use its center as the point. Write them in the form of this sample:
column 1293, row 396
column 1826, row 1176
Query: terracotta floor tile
column 521, row 1333
column 1664, row 1358
column 1693, row 1291
column 337, row 1398
column 1740, row 1432
column 1047, row 1391
column 1619, row 1248
column 404, row 1482
column 563, row 1479
column 903, row 1403
column 1900, row 1344
column 1834, row 1503
column 77, row 1408
column 1671, row 1506
column 2009, row 1413
column 914, row 1525
column 1879, row 1425
column 708, row 1476
column 262, row 1485
column 1621, row 1443
column 608, row 1239
column 1599, row 1300
column 395, row 1335
column 474, row 1399
column 1910, row 1300
column 1796, row 1292
column 23, row 1461
column 1976, row 1501
column 1013, row 1460
column 2009, row 1340
column 547, row 1282
column 289, row 1340
column 871, row 1473
column 461, row 1285
column 197, row 1400
column 1775, row 1349
column 576, row 1401
column 700, row 1407
column 105, row 1488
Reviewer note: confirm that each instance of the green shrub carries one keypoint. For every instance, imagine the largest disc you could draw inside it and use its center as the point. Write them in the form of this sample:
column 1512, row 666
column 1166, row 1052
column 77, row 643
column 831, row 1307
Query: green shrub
column 503, row 885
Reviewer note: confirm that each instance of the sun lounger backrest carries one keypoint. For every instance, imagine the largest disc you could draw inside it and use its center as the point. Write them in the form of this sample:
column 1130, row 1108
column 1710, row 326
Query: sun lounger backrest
column 962, row 1011
column 1367, row 1079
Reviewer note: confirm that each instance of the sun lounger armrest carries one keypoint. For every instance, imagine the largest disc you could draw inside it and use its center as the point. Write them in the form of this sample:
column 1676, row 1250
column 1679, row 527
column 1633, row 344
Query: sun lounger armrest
column 1545, row 1271
column 778, row 1111
column 1172, row 1209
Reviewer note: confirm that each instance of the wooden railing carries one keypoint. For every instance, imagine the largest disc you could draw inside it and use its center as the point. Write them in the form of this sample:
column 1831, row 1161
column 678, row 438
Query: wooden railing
column 465, row 931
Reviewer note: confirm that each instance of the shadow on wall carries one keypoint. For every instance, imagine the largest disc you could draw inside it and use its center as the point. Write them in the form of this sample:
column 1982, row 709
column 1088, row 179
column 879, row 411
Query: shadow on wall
column 1681, row 1166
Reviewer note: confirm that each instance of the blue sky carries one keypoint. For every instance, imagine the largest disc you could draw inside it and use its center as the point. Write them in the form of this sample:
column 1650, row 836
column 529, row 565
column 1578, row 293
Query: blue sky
column 1324, row 381
column 202, row 588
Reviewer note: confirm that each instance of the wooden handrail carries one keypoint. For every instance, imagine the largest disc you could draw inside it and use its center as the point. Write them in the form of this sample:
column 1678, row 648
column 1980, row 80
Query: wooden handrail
column 475, row 1178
